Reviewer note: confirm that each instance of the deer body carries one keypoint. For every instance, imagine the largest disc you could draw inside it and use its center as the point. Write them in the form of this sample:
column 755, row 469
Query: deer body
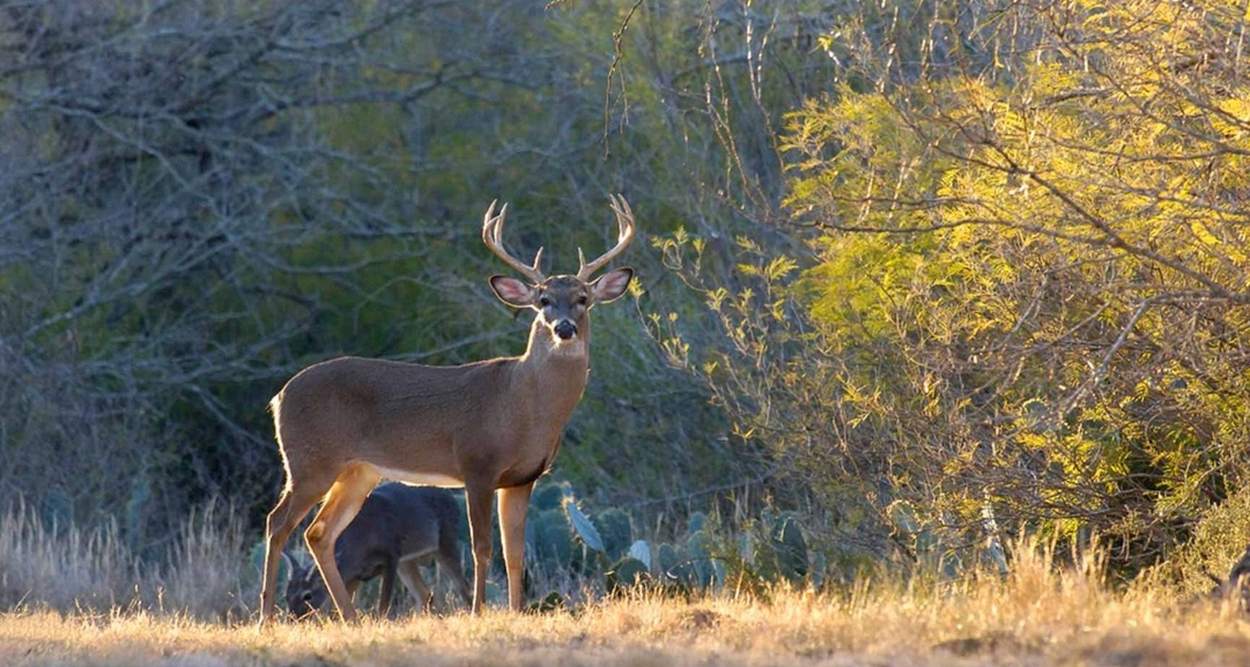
column 431, row 425
column 492, row 426
column 398, row 529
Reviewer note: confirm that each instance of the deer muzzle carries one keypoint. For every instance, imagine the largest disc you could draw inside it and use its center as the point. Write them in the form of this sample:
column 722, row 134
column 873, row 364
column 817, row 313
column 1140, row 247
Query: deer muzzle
column 565, row 329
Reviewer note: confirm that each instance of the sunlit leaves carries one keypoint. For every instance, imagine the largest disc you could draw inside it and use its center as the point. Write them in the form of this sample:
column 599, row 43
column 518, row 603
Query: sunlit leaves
column 1053, row 251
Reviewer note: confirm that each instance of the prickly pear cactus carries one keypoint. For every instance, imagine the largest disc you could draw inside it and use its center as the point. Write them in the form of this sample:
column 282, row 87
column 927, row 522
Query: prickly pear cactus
column 674, row 569
column 583, row 526
column 552, row 539
column 625, row 574
column 552, row 602
column 640, row 550
column 667, row 558
column 819, row 570
column 696, row 522
column 615, row 530
column 703, row 567
column 549, row 495
column 790, row 548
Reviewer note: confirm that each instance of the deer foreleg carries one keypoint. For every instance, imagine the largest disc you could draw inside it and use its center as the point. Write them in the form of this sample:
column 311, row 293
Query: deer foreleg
column 513, row 503
column 410, row 572
column 478, row 500
column 449, row 566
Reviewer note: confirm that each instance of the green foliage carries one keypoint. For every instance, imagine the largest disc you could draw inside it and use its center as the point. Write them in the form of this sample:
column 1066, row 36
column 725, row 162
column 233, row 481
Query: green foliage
column 255, row 566
column 242, row 217
column 1218, row 541
column 986, row 335
column 1016, row 292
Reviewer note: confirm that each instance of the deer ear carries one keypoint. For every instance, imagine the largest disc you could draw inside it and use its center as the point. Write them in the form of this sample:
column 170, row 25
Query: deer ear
column 610, row 286
column 304, row 564
column 513, row 292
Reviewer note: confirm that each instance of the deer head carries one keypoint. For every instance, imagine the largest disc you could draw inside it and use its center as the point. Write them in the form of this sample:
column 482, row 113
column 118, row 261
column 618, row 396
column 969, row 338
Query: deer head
column 563, row 302
column 305, row 593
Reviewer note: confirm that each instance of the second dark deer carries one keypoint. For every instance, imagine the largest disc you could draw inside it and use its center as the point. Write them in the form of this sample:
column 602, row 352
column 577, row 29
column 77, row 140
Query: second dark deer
column 399, row 529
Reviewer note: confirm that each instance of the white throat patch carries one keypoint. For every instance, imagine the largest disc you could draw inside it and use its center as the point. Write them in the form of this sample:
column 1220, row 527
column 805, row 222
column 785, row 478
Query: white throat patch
column 575, row 346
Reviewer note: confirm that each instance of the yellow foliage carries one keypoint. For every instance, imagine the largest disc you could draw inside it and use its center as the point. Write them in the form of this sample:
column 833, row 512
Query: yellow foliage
column 1058, row 213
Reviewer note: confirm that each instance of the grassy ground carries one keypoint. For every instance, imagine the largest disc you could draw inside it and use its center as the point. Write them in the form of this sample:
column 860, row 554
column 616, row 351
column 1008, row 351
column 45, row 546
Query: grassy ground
column 81, row 598
column 1038, row 615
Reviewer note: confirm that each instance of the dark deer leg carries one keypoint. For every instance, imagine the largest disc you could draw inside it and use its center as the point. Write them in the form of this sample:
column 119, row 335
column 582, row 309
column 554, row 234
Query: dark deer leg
column 387, row 592
column 449, row 565
column 410, row 572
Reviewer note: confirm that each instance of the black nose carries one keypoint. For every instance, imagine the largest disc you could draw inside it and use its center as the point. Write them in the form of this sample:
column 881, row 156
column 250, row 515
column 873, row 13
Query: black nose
column 566, row 329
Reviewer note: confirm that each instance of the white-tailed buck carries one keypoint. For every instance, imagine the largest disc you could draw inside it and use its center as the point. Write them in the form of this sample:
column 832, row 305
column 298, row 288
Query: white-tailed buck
column 490, row 426
column 399, row 529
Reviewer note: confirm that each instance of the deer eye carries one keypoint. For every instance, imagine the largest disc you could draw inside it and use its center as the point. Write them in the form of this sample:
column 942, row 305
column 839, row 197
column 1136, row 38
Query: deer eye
column 581, row 300
column 544, row 302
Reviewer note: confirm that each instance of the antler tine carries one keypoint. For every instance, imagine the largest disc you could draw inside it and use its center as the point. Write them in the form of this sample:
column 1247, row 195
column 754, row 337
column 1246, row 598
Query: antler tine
column 625, row 224
column 492, row 236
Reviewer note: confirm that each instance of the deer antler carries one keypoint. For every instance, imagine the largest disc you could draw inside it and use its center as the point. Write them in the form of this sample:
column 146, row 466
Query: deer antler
column 624, row 220
column 492, row 236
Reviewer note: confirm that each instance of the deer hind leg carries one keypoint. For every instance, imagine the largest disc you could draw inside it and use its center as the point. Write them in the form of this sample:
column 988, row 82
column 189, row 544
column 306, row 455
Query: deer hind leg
column 293, row 505
column 513, row 503
column 342, row 503
column 410, row 573
column 387, row 592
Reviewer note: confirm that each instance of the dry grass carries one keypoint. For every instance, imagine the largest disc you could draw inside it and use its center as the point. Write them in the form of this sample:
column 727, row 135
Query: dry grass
column 204, row 573
column 60, row 567
column 1039, row 615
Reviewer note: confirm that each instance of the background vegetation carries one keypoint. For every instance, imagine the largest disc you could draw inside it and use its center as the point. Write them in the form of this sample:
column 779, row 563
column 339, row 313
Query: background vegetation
column 914, row 276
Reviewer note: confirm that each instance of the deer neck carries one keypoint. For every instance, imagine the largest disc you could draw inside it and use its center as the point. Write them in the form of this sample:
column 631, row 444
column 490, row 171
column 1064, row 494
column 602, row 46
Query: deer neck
column 555, row 369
